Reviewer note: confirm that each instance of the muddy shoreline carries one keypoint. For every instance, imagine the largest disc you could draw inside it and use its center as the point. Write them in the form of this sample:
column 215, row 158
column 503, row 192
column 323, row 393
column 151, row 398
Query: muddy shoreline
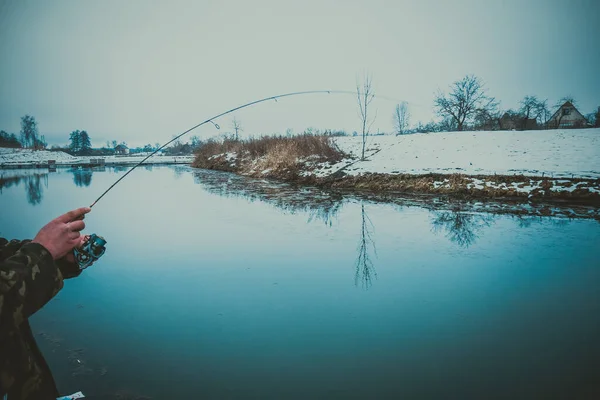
column 512, row 189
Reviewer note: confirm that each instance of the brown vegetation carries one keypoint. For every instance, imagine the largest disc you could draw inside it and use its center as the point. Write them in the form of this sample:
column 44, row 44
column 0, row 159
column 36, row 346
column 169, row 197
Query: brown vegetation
column 280, row 156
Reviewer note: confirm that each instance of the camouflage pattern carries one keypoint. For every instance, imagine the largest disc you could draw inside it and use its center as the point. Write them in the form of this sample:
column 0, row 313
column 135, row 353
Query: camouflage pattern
column 29, row 278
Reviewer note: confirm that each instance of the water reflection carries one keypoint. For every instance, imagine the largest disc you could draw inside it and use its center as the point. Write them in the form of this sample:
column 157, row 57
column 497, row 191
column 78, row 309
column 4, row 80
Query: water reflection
column 34, row 184
column 461, row 222
column 501, row 301
column 460, row 227
column 34, row 190
column 365, row 270
column 318, row 204
column 82, row 177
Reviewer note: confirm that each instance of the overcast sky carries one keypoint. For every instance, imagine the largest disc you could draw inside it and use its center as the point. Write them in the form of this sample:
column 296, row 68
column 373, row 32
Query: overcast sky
column 143, row 71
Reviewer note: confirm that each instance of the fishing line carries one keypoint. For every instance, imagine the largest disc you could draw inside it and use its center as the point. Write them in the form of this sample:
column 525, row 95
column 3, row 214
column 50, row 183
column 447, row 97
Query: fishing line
column 210, row 120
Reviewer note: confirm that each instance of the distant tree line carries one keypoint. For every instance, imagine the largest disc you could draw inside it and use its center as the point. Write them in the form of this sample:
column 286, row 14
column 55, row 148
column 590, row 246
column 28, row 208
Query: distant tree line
column 9, row 140
column 80, row 143
column 467, row 106
column 29, row 136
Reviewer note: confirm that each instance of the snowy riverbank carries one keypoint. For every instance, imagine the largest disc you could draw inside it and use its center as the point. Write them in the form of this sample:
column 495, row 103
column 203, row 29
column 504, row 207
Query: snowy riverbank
column 24, row 158
column 550, row 165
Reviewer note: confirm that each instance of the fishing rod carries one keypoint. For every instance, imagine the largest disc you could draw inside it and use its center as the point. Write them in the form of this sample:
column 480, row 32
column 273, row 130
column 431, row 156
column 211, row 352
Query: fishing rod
column 93, row 247
column 210, row 120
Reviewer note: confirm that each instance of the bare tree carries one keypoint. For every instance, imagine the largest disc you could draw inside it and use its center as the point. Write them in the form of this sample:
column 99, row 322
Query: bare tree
column 487, row 119
column 401, row 118
column 466, row 98
column 29, row 131
column 544, row 113
column 237, row 127
column 533, row 108
column 365, row 95
column 565, row 99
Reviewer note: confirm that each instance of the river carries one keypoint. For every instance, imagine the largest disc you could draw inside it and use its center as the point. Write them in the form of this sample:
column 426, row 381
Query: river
column 220, row 287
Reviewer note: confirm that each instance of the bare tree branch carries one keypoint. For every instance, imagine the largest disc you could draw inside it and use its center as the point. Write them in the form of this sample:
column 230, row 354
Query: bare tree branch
column 466, row 98
column 365, row 95
column 237, row 127
column 401, row 118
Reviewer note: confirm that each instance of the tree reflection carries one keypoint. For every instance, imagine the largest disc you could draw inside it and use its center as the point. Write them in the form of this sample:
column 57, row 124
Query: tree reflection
column 82, row 177
column 33, row 188
column 365, row 270
column 461, row 227
column 33, row 183
column 6, row 182
column 178, row 171
column 526, row 221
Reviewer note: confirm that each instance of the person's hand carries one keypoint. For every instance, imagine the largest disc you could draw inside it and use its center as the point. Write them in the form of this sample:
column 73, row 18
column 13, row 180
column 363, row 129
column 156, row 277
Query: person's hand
column 61, row 235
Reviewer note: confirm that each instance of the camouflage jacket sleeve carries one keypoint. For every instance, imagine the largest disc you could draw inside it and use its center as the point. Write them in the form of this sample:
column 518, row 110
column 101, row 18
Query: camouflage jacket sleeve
column 29, row 278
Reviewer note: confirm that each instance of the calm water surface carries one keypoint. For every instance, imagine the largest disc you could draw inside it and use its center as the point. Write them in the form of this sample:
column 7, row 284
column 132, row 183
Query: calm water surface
column 214, row 286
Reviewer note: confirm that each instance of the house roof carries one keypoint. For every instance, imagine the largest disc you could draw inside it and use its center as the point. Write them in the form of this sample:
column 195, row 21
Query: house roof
column 566, row 104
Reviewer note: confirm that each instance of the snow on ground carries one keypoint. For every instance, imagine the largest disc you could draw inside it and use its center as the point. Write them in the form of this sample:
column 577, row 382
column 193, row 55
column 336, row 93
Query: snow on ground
column 31, row 156
column 553, row 153
column 11, row 157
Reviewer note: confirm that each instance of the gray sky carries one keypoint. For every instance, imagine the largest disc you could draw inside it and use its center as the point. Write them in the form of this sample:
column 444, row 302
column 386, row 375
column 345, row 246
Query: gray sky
column 143, row 71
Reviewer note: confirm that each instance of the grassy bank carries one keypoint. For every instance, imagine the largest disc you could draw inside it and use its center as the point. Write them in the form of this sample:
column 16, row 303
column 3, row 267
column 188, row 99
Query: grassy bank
column 303, row 160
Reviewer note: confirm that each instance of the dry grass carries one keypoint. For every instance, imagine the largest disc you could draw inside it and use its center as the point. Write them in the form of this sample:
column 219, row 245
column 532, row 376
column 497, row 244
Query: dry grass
column 280, row 154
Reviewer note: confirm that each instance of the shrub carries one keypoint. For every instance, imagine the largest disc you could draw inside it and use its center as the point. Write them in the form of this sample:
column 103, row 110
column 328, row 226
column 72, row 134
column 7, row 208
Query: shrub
column 275, row 152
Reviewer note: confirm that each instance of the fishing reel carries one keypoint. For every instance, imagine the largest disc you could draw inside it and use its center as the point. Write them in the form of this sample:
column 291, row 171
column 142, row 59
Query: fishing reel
column 91, row 250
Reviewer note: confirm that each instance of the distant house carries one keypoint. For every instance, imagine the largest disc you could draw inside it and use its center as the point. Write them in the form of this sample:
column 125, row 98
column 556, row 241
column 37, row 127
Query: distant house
column 513, row 121
column 567, row 116
column 121, row 149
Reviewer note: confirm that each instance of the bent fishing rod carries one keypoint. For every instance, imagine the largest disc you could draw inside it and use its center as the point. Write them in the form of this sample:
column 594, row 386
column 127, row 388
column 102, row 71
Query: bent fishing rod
column 94, row 245
column 210, row 120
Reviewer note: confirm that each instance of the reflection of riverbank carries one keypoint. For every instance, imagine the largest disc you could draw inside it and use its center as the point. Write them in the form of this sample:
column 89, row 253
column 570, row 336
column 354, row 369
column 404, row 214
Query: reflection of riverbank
column 34, row 181
column 319, row 204
column 461, row 222
column 319, row 201
column 25, row 158
column 34, row 184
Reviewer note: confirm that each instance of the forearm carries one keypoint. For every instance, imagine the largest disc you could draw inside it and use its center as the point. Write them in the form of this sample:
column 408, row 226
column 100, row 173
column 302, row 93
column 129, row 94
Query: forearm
column 28, row 280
